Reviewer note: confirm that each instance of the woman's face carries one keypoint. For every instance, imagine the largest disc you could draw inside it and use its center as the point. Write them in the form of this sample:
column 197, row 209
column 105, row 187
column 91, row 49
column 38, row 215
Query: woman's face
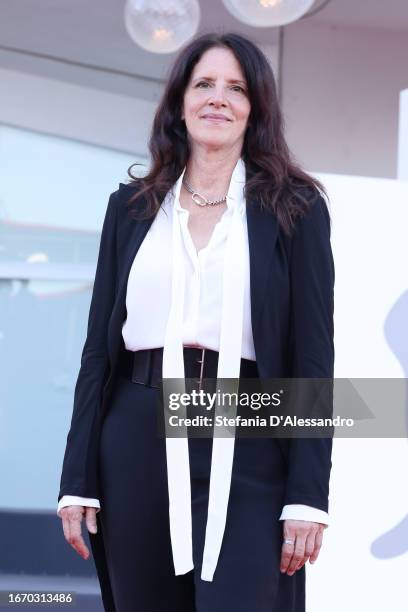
column 217, row 86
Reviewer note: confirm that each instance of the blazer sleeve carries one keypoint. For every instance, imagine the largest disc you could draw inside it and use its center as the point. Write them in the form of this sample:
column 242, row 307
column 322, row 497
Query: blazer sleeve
column 312, row 353
column 78, row 469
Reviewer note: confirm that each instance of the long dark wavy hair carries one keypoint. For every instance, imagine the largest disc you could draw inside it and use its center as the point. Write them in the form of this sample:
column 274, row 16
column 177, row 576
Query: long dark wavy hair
column 274, row 179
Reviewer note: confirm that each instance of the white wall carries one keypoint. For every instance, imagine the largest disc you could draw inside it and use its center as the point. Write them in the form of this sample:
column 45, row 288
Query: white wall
column 341, row 90
column 73, row 111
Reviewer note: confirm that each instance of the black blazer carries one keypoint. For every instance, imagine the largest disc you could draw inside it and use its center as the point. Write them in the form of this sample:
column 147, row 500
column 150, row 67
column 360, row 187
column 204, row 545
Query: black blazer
column 292, row 306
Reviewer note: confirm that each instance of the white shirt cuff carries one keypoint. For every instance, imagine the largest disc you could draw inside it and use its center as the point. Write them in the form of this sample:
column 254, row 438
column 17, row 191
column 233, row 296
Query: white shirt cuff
column 301, row 512
column 73, row 500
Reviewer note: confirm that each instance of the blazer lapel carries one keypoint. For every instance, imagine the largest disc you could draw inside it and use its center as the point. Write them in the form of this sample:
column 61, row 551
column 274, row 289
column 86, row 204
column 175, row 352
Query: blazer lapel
column 262, row 235
column 136, row 236
column 133, row 238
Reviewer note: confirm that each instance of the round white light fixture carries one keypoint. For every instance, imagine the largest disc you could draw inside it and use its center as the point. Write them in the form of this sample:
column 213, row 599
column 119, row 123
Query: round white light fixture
column 267, row 13
column 161, row 26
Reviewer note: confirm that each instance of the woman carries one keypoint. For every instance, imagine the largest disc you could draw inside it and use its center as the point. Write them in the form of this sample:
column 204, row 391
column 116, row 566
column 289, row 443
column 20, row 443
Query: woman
column 216, row 264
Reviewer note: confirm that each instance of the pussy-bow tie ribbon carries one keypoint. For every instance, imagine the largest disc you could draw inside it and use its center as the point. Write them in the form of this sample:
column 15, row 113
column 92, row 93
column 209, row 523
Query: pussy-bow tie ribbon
column 229, row 361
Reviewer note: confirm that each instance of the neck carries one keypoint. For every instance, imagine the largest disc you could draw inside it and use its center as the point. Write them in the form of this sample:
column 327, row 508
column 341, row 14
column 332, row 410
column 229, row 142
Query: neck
column 210, row 173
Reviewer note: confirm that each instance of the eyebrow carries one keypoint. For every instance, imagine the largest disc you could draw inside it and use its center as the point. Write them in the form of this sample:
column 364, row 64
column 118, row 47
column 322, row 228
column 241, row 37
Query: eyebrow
column 211, row 79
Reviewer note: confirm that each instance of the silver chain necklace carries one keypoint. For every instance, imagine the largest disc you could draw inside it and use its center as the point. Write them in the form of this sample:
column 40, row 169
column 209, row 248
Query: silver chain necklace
column 199, row 199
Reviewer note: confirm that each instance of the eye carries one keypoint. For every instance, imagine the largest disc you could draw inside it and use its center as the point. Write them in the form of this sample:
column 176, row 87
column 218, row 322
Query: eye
column 234, row 87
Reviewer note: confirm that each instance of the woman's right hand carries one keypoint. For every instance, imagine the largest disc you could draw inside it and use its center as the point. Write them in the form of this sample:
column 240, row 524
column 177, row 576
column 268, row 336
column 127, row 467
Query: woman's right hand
column 71, row 523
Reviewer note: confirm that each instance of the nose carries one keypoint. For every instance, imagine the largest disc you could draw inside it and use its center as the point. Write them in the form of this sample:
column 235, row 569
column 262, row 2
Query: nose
column 217, row 96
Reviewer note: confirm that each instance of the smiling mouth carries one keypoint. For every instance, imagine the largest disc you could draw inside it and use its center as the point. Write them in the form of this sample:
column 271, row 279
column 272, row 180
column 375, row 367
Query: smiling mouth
column 218, row 119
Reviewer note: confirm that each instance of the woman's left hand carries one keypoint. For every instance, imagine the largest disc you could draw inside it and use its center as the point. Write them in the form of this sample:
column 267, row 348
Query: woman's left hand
column 305, row 543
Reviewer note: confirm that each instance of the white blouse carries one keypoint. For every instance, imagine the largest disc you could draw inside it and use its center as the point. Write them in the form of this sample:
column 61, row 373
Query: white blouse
column 147, row 317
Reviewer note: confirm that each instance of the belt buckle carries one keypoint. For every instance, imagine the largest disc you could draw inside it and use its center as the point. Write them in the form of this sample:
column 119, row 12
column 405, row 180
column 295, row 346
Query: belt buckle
column 200, row 380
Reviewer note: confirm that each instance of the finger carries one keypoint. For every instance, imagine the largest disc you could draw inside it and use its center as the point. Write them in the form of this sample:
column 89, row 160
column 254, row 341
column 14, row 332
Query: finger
column 65, row 527
column 298, row 553
column 289, row 534
column 309, row 548
column 286, row 555
column 317, row 546
column 76, row 540
column 90, row 519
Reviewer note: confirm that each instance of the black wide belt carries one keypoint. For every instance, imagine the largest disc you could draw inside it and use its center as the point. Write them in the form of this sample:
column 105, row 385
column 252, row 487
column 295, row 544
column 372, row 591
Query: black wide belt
column 144, row 367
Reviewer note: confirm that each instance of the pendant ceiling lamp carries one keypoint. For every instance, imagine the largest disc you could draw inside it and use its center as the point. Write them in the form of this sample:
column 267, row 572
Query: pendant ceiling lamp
column 161, row 26
column 267, row 13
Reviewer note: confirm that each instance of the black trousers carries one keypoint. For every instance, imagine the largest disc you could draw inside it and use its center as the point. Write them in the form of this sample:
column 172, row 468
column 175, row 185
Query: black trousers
column 134, row 519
